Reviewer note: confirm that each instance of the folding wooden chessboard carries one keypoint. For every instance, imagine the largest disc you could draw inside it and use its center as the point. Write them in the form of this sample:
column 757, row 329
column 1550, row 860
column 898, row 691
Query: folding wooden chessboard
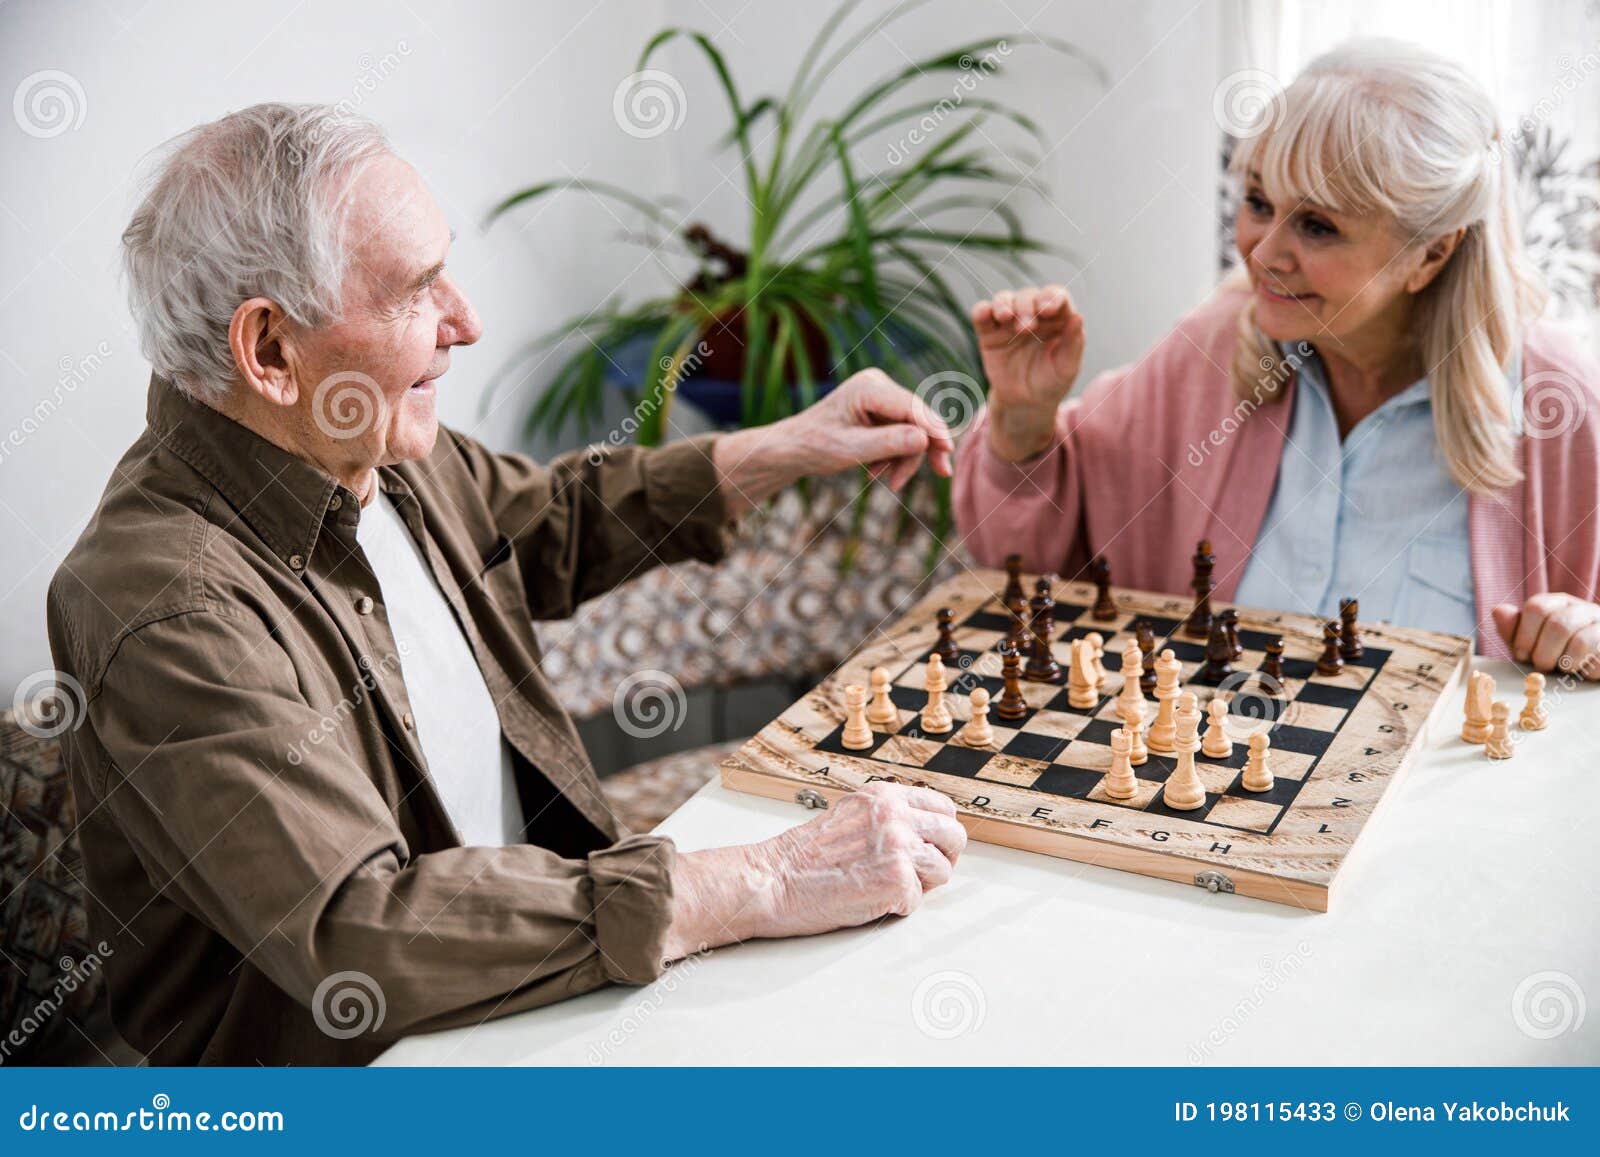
column 1337, row 742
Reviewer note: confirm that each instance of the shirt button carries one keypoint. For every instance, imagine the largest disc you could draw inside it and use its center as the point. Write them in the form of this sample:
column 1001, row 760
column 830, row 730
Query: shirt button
column 363, row 605
column 335, row 502
column 297, row 562
column 409, row 721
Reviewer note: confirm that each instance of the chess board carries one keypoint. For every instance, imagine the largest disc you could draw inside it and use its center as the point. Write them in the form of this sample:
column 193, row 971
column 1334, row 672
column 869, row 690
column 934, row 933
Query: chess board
column 1337, row 742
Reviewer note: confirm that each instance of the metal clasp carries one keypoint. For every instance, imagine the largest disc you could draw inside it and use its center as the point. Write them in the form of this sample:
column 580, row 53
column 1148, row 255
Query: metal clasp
column 1213, row 881
column 811, row 799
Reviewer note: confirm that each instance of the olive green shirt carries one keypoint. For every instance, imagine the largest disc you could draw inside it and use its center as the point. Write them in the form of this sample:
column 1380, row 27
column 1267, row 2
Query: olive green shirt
column 261, row 836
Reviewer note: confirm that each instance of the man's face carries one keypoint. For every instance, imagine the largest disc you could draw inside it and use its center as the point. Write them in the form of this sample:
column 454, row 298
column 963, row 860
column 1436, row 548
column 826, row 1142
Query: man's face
column 366, row 383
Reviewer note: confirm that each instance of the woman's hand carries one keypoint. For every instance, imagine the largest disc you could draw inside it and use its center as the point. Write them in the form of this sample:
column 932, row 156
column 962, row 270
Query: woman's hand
column 1553, row 632
column 1031, row 341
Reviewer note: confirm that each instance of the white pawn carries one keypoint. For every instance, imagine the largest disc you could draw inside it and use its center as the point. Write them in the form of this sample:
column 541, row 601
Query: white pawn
column 1498, row 745
column 882, row 711
column 1120, row 782
column 1217, row 745
column 936, row 716
column 1534, row 717
column 979, row 733
column 1257, row 771
column 857, row 735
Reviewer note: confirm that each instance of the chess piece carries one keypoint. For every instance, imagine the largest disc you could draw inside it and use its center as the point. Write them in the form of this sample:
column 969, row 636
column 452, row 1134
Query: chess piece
column 1230, row 627
column 1498, row 745
column 1042, row 666
column 1184, row 791
column 1534, row 717
column 857, row 736
column 946, row 647
column 1105, row 606
column 1012, row 706
column 1120, row 782
column 1331, row 662
column 1133, row 723
column 1081, row 690
column 882, row 710
column 1480, row 692
column 979, row 733
column 1132, row 664
column 1146, row 636
column 1097, row 657
column 1272, row 667
column 1163, row 732
column 1219, row 656
column 1013, row 591
column 935, row 714
column 1198, row 624
column 1350, row 645
column 1257, row 770
column 1216, row 744
column 1017, row 630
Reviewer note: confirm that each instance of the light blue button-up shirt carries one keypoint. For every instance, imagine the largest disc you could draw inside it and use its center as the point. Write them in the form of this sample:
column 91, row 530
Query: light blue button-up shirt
column 1375, row 517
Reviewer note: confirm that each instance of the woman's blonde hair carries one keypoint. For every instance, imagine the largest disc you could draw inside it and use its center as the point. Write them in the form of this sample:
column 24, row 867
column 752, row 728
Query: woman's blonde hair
column 1382, row 126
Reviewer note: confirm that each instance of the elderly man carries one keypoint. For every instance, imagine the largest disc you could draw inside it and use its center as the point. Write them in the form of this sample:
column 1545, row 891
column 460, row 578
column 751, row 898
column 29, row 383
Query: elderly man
column 321, row 766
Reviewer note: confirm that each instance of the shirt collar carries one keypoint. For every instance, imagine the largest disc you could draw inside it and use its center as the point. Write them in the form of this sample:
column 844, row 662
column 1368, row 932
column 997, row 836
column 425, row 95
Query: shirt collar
column 1315, row 375
column 281, row 496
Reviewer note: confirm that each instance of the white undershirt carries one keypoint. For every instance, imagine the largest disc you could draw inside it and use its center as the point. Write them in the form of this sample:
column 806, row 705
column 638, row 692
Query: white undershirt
column 468, row 758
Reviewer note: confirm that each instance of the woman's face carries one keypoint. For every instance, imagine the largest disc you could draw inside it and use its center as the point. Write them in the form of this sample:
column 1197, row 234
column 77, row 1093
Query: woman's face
column 1321, row 276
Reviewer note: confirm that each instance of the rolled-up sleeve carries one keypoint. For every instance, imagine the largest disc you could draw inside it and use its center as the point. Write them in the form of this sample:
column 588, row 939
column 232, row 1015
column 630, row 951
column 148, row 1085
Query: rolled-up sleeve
column 246, row 809
column 595, row 518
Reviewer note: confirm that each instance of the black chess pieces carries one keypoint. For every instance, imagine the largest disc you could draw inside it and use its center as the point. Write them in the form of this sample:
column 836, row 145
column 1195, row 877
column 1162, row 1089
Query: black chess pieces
column 1350, row 645
column 1230, row 624
column 1219, row 655
column 1146, row 635
column 946, row 647
column 1272, row 668
column 1198, row 624
column 1042, row 666
column 1331, row 662
column 1011, row 706
column 1013, row 591
column 1017, row 629
column 1105, row 607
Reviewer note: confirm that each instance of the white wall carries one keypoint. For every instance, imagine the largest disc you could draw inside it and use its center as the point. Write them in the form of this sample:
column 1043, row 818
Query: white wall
column 484, row 96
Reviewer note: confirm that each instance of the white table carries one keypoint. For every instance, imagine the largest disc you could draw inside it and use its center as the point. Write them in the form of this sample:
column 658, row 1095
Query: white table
column 1473, row 886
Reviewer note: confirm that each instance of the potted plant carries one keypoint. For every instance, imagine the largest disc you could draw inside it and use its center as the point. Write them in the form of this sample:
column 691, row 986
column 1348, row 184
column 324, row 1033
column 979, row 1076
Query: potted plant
column 843, row 265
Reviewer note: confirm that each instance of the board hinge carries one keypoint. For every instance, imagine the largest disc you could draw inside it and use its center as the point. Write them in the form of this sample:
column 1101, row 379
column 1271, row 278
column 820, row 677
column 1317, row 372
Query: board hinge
column 1213, row 881
column 812, row 799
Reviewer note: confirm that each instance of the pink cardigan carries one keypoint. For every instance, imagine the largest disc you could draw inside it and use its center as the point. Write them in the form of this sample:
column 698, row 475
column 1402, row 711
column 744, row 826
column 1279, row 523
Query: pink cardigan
column 1154, row 456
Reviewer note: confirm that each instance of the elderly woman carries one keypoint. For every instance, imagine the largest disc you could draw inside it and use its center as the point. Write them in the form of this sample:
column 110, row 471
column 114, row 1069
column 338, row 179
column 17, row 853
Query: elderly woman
column 1371, row 409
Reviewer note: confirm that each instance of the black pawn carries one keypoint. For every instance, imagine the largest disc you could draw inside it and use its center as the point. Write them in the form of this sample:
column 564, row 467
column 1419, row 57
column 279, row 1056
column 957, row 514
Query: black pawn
column 1350, row 645
column 1146, row 635
column 1105, row 606
column 1272, row 668
column 1219, row 656
column 946, row 647
column 1230, row 624
column 1331, row 662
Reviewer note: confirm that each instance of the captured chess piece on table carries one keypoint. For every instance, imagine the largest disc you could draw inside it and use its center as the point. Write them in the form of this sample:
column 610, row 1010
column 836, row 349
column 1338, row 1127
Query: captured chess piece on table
column 1498, row 745
column 1480, row 697
column 1534, row 716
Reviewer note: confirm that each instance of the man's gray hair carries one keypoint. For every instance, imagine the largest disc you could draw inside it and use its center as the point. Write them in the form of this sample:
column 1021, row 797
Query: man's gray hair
column 246, row 206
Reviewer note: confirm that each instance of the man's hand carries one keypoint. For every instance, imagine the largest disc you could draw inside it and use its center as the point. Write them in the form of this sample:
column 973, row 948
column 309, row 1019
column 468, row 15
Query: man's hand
column 1031, row 342
column 867, row 420
column 1553, row 632
column 873, row 853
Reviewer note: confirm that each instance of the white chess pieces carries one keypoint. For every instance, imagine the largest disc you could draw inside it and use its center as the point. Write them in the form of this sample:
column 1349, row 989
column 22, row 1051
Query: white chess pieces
column 1534, row 717
column 1120, row 782
column 1498, row 745
column 1184, row 791
column 857, row 736
column 1257, row 771
column 1217, row 745
column 1082, row 690
column 1097, row 650
column 1480, row 693
column 979, row 733
column 936, row 715
column 882, row 710
column 1130, row 704
column 1163, row 732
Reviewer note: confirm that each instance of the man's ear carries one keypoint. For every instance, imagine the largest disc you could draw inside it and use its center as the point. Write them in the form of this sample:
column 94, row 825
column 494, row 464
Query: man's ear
column 1434, row 258
column 263, row 351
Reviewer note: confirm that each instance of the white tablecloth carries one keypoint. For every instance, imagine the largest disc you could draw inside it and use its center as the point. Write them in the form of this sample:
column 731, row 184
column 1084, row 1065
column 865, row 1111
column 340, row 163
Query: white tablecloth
column 1465, row 930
